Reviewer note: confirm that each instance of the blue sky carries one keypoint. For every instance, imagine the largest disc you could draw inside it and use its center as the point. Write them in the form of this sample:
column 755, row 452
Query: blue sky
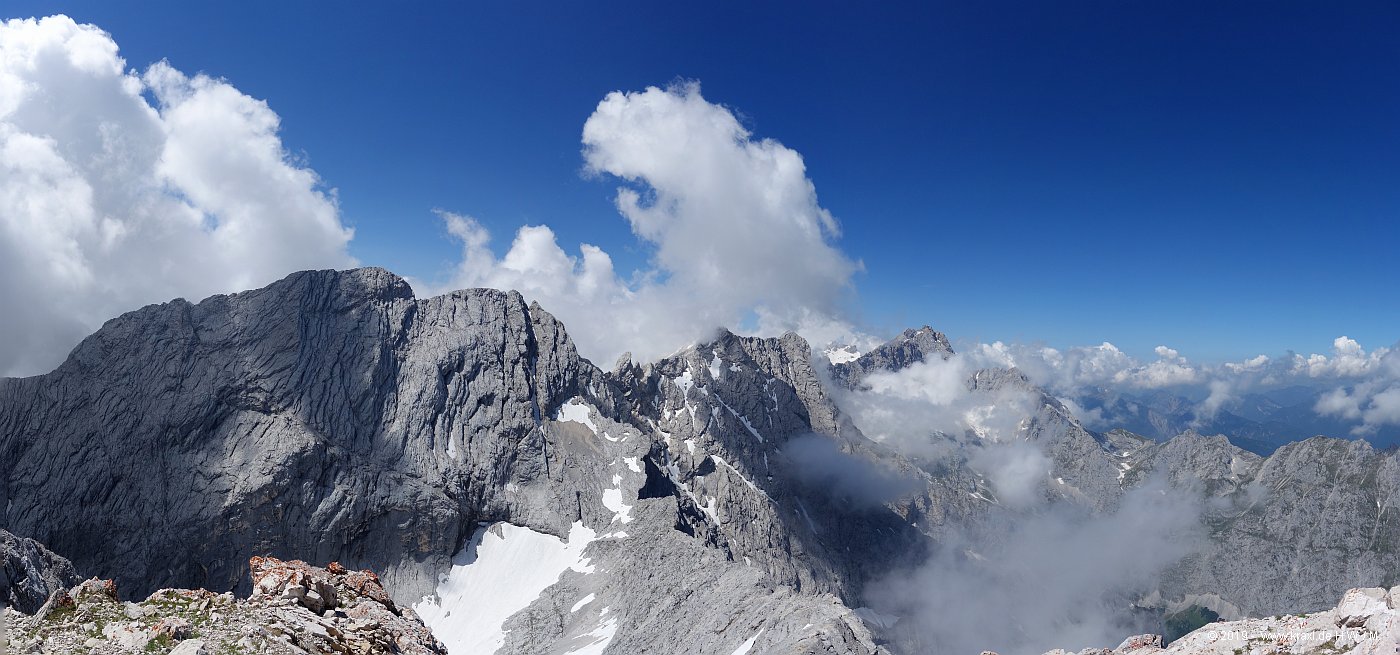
column 1217, row 177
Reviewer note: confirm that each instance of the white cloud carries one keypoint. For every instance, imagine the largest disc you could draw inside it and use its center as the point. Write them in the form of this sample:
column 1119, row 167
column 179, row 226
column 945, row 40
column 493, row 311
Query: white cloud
column 1384, row 409
column 1249, row 365
column 1170, row 369
column 1054, row 576
column 1370, row 384
column 1221, row 392
column 1339, row 402
column 919, row 408
column 1073, row 370
column 1348, row 359
column 109, row 201
column 1355, row 384
column 733, row 221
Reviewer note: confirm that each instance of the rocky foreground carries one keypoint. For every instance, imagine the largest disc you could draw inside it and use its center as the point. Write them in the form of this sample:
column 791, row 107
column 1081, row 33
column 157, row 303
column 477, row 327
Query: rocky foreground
column 1365, row 622
column 295, row 608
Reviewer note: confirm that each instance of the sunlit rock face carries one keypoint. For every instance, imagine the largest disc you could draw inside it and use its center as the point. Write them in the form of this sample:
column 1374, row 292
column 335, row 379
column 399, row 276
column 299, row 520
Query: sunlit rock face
column 743, row 494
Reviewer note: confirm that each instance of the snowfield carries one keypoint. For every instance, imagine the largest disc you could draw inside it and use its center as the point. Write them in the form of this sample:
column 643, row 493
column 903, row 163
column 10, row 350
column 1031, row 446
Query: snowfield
column 501, row 570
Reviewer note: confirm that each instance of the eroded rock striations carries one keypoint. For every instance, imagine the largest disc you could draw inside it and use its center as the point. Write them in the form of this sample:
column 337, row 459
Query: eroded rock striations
column 333, row 416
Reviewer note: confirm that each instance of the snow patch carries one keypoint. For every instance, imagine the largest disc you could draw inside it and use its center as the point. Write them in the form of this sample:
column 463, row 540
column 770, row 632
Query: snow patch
column 711, row 509
column 581, row 602
column 841, row 354
column 684, row 382
column 716, row 365
column 743, row 419
column 599, row 637
column 806, row 517
column 633, row 463
column 745, row 647
column 578, row 412
column 725, row 463
column 501, row 570
column 612, row 499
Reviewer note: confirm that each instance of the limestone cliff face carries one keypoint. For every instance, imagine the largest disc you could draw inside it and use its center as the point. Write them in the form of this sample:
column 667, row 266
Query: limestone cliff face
column 1290, row 532
column 328, row 416
column 332, row 416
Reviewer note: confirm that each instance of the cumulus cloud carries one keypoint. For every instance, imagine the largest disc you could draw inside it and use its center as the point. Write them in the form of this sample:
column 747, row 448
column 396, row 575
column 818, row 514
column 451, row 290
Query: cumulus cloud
column 1348, row 360
column 120, row 188
column 1075, row 369
column 732, row 223
column 1373, row 401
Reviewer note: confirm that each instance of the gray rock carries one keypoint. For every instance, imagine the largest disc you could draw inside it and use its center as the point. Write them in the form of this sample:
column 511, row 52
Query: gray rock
column 334, row 417
column 190, row 647
column 910, row 347
column 1290, row 532
column 31, row 573
column 329, row 416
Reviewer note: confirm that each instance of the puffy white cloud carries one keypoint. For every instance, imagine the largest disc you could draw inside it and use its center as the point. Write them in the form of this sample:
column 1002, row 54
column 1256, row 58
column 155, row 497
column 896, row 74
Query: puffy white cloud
column 1383, row 409
column 1256, row 363
column 1065, row 371
column 1170, row 369
column 1340, row 402
column 1084, row 367
column 119, row 189
column 733, row 223
column 1369, row 389
column 1348, row 359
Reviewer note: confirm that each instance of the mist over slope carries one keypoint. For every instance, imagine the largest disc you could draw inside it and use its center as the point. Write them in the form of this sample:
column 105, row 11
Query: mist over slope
column 881, row 504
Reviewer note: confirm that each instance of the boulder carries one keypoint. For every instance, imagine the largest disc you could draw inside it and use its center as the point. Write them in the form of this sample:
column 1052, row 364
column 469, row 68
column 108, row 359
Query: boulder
column 1359, row 605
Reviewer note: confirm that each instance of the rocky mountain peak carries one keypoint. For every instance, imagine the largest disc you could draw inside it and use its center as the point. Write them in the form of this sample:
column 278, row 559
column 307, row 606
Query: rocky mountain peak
column 910, row 347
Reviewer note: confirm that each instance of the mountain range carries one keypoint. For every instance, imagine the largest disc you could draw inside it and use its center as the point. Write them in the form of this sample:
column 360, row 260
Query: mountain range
column 734, row 497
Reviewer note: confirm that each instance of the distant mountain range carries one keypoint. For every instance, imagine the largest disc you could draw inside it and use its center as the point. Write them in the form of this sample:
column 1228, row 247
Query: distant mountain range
column 1259, row 422
column 726, row 499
